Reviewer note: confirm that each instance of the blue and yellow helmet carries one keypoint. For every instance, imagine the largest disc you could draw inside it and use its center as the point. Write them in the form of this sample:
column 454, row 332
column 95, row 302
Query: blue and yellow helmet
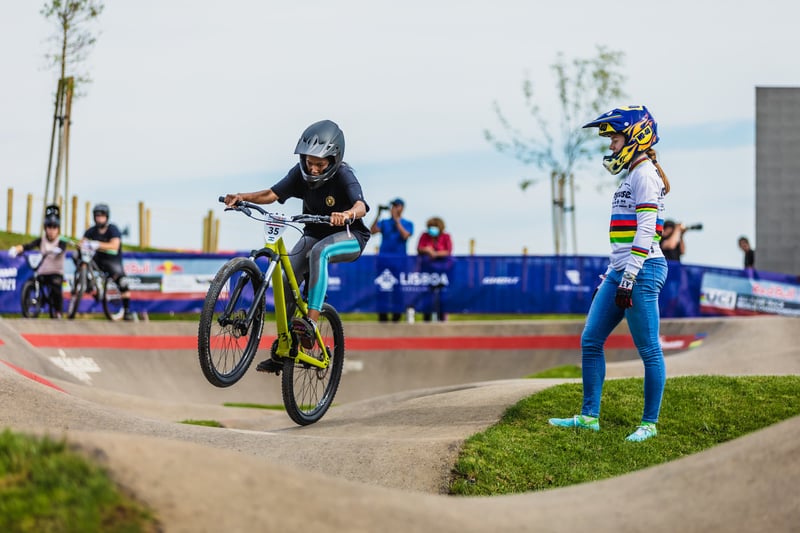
column 637, row 125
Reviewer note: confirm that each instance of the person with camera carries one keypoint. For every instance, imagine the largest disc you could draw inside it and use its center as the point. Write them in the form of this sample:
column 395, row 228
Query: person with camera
column 672, row 244
column 395, row 231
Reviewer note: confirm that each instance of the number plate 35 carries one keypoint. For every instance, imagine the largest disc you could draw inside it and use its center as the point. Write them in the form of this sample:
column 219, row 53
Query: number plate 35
column 273, row 231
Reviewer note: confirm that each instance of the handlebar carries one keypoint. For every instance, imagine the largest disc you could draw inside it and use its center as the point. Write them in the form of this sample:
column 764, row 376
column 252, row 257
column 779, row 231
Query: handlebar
column 247, row 207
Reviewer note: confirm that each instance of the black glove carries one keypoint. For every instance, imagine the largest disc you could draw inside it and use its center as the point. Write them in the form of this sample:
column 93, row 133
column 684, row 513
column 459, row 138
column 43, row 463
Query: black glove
column 625, row 291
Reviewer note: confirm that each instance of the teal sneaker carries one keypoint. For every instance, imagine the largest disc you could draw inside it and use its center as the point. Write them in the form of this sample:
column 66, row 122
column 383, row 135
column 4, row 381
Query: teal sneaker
column 577, row 421
column 643, row 432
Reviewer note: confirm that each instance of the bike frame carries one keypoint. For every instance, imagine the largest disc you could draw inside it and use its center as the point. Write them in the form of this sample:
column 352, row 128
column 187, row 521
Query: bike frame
column 275, row 251
column 42, row 292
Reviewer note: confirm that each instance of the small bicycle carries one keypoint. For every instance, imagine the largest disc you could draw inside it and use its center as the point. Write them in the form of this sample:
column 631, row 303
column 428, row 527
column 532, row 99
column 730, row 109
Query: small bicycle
column 90, row 281
column 35, row 293
column 232, row 319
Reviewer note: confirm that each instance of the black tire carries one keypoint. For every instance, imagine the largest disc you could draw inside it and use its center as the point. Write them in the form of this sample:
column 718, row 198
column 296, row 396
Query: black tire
column 78, row 290
column 30, row 301
column 308, row 391
column 112, row 300
column 226, row 345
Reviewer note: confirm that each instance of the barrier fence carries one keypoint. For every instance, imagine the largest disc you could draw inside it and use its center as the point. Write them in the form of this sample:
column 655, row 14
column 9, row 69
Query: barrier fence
column 177, row 282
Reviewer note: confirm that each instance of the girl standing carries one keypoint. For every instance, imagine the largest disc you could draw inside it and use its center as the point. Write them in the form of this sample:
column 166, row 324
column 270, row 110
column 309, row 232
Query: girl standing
column 637, row 269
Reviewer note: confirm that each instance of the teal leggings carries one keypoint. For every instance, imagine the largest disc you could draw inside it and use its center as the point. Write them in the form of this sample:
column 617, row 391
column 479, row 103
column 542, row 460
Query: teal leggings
column 312, row 256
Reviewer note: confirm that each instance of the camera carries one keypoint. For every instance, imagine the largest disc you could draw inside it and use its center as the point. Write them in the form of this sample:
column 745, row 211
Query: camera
column 384, row 207
column 694, row 227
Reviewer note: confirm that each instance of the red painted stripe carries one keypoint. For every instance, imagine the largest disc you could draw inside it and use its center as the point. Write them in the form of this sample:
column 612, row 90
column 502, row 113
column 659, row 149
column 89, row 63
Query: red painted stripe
column 34, row 377
column 184, row 342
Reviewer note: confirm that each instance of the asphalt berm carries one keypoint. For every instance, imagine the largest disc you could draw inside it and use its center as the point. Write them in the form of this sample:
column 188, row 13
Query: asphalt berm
column 380, row 459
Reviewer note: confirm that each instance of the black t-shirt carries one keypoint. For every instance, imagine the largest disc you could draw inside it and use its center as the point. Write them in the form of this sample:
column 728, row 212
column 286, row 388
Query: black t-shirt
column 93, row 234
column 335, row 195
column 673, row 254
column 749, row 258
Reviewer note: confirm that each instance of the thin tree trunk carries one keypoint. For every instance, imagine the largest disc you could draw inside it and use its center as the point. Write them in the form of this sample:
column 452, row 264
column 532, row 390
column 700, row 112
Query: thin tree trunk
column 572, row 214
column 554, row 207
column 52, row 143
column 60, row 151
column 67, row 124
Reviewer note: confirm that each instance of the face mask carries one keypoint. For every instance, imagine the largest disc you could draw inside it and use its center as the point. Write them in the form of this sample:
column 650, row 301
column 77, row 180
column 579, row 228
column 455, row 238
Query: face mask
column 433, row 231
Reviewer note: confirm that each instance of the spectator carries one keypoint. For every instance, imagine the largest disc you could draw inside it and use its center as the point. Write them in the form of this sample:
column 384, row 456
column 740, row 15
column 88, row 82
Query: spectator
column 395, row 231
column 106, row 239
column 53, row 247
column 749, row 253
column 435, row 248
column 672, row 245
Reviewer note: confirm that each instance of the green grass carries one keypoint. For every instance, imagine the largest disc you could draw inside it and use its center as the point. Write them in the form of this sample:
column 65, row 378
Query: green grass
column 44, row 486
column 273, row 407
column 7, row 240
column 523, row 453
column 207, row 423
column 564, row 372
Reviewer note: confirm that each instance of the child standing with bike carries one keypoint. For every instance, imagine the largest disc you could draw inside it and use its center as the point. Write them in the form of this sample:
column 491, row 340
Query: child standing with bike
column 327, row 186
column 53, row 247
column 637, row 269
column 106, row 239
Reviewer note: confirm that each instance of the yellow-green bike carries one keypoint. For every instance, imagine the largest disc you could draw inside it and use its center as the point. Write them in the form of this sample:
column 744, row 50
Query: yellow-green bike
column 233, row 315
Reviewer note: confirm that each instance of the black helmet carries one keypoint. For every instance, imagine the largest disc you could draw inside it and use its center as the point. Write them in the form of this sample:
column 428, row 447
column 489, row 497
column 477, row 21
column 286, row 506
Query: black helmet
column 52, row 215
column 101, row 209
column 321, row 139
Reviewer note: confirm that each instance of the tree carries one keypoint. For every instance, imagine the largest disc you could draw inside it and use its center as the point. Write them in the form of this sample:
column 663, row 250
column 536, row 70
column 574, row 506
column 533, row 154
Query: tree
column 73, row 42
column 586, row 88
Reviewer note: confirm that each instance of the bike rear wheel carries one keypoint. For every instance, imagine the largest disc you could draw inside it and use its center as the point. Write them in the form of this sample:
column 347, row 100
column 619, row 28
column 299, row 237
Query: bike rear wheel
column 78, row 289
column 31, row 300
column 308, row 391
column 226, row 341
column 112, row 300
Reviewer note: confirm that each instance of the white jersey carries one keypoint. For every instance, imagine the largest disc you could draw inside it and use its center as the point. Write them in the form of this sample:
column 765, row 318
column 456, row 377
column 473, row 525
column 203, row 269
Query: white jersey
column 637, row 217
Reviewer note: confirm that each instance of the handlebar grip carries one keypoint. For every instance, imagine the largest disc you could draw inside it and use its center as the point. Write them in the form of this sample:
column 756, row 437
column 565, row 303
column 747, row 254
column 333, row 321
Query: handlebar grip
column 222, row 199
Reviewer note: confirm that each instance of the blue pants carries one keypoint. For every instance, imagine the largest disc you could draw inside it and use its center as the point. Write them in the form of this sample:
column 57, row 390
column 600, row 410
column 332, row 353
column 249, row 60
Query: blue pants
column 643, row 321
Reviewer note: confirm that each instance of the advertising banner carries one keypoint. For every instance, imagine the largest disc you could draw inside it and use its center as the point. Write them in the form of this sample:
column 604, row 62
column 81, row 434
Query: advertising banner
column 177, row 282
column 728, row 295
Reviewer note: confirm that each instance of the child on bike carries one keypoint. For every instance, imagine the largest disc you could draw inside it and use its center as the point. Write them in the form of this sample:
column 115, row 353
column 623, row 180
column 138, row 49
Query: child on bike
column 106, row 239
column 53, row 247
column 327, row 186
column 637, row 269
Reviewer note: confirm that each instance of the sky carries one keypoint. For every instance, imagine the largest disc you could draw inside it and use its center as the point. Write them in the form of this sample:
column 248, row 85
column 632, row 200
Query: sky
column 192, row 100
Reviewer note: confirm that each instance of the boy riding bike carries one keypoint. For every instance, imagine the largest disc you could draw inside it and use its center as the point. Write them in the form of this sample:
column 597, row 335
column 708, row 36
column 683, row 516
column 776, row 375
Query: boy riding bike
column 327, row 186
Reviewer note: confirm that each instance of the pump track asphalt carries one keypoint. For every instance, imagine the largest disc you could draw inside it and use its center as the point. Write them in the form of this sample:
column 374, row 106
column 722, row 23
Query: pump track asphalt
column 380, row 459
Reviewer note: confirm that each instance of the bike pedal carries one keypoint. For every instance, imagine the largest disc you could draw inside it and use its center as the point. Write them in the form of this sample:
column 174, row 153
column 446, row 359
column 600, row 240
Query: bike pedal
column 270, row 366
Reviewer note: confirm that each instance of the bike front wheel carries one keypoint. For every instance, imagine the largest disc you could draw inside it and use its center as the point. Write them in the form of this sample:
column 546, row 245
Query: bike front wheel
column 112, row 300
column 226, row 340
column 78, row 289
column 31, row 300
column 308, row 391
